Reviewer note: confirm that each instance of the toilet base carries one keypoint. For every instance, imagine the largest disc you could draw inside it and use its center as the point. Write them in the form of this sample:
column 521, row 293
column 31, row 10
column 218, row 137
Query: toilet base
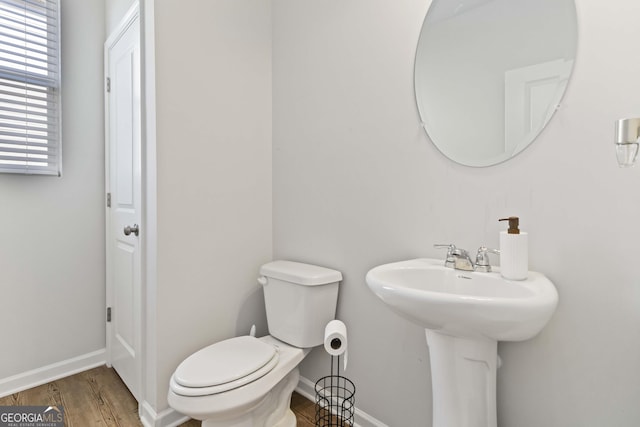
column 289, row 420
column 273, row 411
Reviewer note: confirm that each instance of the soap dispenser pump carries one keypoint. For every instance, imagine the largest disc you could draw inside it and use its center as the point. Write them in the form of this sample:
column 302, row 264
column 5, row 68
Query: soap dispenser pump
column 514, row 251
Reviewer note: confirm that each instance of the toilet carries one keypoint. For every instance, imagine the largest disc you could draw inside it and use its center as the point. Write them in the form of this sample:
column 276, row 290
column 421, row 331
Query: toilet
column 247, row 381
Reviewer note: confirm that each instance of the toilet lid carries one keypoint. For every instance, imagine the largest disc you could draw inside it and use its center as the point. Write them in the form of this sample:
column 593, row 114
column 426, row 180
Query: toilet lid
column 226, row 362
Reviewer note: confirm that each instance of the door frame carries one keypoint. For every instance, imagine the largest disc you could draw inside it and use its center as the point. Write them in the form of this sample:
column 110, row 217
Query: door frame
column 129, row 18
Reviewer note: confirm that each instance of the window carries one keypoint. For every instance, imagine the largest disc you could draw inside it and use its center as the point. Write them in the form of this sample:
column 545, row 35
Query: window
column 30, row 87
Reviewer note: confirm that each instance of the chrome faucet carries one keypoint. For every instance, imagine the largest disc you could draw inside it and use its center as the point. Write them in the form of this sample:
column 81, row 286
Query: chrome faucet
column 459, row 259
column 482, row 259
column 450, row 260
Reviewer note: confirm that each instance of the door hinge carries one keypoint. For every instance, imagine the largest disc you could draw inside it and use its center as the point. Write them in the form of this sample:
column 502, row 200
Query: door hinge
column 108, row 314
column 108, row 84
column 108, row 200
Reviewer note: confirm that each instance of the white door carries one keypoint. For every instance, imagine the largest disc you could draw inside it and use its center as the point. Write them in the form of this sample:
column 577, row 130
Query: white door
column 124, row 228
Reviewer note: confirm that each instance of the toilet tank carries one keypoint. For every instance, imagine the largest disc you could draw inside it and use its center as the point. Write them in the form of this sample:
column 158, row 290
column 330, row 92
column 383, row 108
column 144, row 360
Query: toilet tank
column 300, row 299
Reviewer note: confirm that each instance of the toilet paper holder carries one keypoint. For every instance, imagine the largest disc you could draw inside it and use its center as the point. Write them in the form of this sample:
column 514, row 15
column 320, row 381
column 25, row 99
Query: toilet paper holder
column 335, row 394
column 335, row 398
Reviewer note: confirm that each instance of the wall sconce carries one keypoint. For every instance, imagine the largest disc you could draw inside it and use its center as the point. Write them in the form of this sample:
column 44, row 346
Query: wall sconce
column 627, row 139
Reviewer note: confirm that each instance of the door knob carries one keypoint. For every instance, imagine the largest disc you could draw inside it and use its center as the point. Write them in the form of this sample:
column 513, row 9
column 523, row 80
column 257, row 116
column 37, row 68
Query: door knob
column 135, row 230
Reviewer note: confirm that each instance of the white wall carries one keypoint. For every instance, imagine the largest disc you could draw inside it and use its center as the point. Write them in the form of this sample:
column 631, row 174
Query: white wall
column 213, row 88
column 114, row 11
column 52, row 229
column 357, row 183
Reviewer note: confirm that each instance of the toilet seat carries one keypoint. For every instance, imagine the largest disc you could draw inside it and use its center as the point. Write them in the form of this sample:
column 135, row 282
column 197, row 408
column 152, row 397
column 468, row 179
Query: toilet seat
column 224, row 366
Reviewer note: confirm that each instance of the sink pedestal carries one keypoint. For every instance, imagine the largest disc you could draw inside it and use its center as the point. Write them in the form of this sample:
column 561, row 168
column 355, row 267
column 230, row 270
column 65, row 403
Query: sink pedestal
column 463, row 377
column 465, row 315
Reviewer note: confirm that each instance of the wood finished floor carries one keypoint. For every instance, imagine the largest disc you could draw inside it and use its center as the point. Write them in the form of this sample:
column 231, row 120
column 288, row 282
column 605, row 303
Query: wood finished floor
column 99, row 398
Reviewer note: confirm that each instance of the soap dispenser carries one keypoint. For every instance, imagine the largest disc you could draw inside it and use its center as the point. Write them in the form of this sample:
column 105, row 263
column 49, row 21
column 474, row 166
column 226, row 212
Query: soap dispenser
column 514, row 251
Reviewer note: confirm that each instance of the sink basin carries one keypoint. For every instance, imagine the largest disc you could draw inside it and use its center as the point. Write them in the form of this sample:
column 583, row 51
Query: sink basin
column 465, row 303
column 464, row 314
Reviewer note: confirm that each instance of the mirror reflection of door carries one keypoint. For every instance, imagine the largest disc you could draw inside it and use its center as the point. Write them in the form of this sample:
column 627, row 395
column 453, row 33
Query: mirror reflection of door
column 473, row 56
column 531, row 96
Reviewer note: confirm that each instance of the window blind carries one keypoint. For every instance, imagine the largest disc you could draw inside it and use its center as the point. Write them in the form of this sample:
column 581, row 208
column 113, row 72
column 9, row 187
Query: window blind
column 30, row 87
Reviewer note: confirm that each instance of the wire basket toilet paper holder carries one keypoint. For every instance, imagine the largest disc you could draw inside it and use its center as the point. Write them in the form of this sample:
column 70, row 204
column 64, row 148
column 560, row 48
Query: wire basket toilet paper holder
column 335, row 398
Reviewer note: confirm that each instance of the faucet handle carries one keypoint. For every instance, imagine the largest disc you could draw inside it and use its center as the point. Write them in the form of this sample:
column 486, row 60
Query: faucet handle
column 482, row 259
column 451, row 248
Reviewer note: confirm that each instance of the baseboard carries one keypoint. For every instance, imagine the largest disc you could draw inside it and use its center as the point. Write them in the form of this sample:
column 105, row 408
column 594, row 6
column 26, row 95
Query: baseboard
column 166, row 418
column 55, row 371
column 362, row 419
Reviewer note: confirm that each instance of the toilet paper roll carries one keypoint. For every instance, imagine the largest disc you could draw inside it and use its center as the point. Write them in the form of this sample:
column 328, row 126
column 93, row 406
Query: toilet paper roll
column 335, row 338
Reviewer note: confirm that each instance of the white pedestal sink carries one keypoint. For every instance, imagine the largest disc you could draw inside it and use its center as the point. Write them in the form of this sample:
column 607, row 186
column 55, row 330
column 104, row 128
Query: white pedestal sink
column 465, row 314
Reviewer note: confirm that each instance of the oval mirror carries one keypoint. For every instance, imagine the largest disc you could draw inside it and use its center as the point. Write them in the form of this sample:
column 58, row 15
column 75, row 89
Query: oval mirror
column 489, row 74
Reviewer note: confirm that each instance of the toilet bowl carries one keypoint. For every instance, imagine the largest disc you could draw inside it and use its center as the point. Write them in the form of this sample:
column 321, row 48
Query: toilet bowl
column 247, row 381
column 243, row 401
